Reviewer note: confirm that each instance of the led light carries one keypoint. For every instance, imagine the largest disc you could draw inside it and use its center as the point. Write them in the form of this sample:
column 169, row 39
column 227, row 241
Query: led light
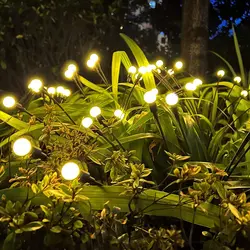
column 87, row 122
column 70, row 171
column 190, row 86
column 155, row 91
column 244, row 93
column 179, row 65
column 94, row 58
column 137, row 76
column 91, row 64
column 72, row 68
column 150, row 97
column 22, row 147
column 51, row 90
column 60, row 90
column 172, row 99
column 119, row 114
column 237, row 79
column 220, row 73
column 142, row 70
column 170, row 72
column 69, row 74
column 66, row 92
column 159, row 63
column 158, row 71
column 151, row 67
column 9, row 102
column 35, row 85
column 95, row 111
column 197, row 82
column 132, row 70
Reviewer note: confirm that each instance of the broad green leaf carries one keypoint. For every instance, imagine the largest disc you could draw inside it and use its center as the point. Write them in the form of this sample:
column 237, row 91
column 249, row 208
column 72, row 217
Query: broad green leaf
column 141, row 59
column 9, row 242
column 56, row 229
column 12, row 121
column 32, row 226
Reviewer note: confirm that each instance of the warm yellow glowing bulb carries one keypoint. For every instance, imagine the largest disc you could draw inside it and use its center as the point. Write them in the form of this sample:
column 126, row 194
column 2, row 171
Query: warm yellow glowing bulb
column 94, row 58
column 170, row 72
column 142, row 70
column 9, row 102
column 172, row 99
column 155, row 91
column 60, row 90
column 22, row 147
column 35, row 85
column 87, row 122
column 70, row 171
column 95, row 111
column 244, row 93
column 51, row 90
column 66, row 92
column 220, row 73
column 132, row 70
column 197, row 82
column 150, row 97
column 190, row 86
column 158, row 71
column 237, row 79
column 119, row 114
column 159, row 63
column 151, row 67
column 179, row 65
column 91, row 64
column 69, row 74
column 72, row 67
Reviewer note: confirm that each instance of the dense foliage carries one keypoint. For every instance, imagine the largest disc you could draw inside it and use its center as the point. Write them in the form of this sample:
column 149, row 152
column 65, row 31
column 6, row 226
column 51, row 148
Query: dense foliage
column 183, row 162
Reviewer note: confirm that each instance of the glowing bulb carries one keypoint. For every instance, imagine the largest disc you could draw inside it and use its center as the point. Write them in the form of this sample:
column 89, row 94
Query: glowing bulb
column 72, row 68
column 159, row 63
column 35, row 85
column 66, row 92
column 69, row 74
column 155, row 91
column 9, row 102
column 60, row 90
column 244, row 93
column 190, row 86
column 119, row 114
column 132, row 70
column 70, row 171
column 51, row 90
column 159, row 71
column 151, row 67
column 91, row 64
column 197, row 82
column 95, row 111
column 179, row 65
column 142, row 70
column 237, row 79
column 137, row 76
column 94, row 58
column 170, row 72
column 22, row 147
column 221, row 73
column 172, row 99
column 87, row 122
column 150, row 97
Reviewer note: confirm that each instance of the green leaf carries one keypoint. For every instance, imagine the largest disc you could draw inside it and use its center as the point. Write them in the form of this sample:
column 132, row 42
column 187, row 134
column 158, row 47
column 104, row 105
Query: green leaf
column 9, row 242
column 220, row 189
column 78, row 224
column 234, row 211
column 141, row 59
column 32, row 226
column 12, row 121
column 56, row 229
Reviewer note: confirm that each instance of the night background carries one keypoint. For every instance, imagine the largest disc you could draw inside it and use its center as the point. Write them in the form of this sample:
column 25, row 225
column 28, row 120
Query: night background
column 37, row 37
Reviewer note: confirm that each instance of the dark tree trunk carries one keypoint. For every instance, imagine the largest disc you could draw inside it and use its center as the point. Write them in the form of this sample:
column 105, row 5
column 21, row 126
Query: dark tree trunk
column 195, row 35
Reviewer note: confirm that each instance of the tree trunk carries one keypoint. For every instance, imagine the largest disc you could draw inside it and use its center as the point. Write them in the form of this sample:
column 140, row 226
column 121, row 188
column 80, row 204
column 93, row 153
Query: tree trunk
column 195, row 35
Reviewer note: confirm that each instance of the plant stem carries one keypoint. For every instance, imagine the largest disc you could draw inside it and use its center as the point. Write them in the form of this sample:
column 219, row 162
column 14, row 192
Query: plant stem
column 192, row 230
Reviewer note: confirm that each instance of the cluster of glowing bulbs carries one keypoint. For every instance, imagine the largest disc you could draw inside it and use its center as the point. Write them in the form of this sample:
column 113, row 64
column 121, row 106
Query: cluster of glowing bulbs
column 35, row 85
column 93, row 59
column 60, row 90
column 193, row 86
column 70, row 72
